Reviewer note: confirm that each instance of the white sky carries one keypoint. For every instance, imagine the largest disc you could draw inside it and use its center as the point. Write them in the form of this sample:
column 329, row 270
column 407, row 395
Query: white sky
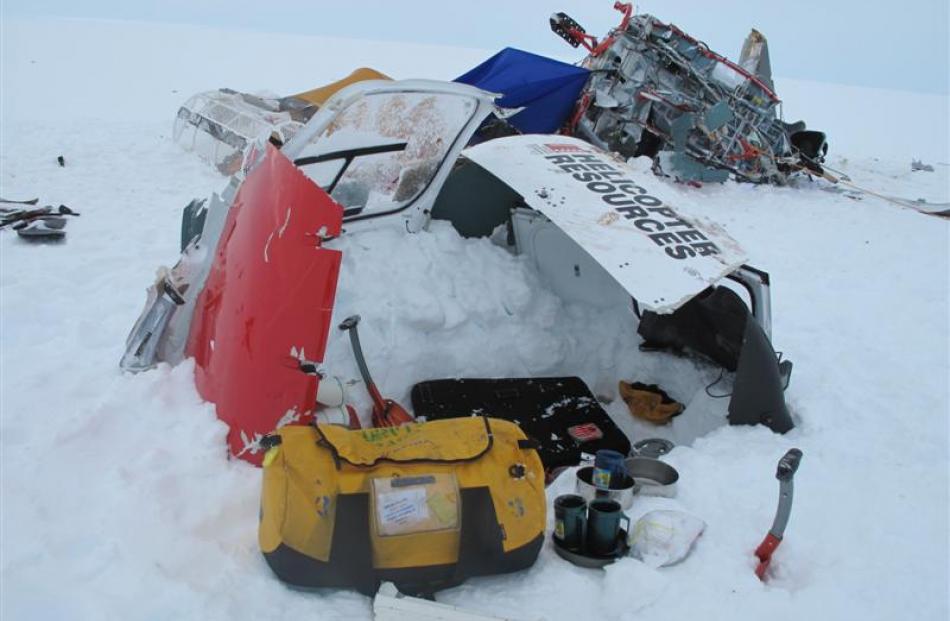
column 889, row 45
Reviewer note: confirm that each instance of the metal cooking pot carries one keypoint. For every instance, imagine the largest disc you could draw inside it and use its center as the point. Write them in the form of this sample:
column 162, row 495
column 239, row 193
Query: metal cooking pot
column 622, row 492
column 653, row 477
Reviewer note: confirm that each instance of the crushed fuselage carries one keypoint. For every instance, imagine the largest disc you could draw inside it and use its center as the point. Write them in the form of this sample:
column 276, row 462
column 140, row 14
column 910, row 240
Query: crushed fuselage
column 655, row 90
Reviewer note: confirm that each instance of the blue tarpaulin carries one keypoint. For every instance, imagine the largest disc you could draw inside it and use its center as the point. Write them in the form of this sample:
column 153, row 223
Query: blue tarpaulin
column 547, row 89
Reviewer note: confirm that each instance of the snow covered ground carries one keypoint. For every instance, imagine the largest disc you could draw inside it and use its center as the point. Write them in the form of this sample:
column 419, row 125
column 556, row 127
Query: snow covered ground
column 117, row 499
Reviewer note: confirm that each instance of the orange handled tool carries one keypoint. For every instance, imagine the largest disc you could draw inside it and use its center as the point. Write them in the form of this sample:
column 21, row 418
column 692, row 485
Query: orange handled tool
column 386, row 412
column 785, row 475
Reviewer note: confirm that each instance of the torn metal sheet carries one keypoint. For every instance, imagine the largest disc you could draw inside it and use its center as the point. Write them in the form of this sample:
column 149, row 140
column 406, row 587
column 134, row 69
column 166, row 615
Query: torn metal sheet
column 648, row 243
column 754, row 57
column 690, row 169
column 717, row 116
column 143, row 342
column 266, row 305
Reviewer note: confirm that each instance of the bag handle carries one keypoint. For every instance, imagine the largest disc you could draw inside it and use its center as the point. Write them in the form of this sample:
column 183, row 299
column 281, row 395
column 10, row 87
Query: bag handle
column 339, row 458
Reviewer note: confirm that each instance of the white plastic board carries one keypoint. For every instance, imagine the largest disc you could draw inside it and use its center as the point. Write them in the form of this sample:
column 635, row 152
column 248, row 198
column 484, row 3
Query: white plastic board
column 657, row 251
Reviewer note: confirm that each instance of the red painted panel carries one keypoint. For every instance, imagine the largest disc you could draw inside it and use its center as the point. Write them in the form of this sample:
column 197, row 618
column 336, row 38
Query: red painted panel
column 267, row 302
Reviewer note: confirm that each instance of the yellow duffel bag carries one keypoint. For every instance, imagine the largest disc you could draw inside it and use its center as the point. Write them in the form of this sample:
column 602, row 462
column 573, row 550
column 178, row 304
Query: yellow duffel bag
column 423, row 505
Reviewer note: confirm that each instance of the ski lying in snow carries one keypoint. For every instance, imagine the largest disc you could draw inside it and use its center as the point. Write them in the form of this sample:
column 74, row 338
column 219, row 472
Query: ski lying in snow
column 931, row 209
column 32, row 201
column 16, row 216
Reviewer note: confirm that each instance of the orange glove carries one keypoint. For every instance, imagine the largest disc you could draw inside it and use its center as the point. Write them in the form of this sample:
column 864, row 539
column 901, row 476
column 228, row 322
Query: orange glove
column 649, row 402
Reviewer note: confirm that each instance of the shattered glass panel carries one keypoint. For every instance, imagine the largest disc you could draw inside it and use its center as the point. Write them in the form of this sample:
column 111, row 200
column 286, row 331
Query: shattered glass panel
column 420, row 128
column 727, row 76
column 219, row 125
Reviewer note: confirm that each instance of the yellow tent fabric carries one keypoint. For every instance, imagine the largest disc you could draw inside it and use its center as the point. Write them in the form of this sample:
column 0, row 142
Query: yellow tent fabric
column 319, row 96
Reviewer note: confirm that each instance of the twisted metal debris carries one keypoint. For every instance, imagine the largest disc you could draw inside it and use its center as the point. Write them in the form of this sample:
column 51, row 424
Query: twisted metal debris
column 656, row 91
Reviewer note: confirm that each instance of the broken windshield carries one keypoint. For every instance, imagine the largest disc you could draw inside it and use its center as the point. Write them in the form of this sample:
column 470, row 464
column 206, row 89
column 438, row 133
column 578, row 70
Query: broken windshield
column 416, row 130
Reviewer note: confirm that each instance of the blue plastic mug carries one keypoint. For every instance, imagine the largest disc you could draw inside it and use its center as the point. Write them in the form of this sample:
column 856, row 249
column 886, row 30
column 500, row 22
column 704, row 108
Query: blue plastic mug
column 608, row 466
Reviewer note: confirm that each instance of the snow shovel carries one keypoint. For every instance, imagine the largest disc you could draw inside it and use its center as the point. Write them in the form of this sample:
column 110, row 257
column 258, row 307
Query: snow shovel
column 785, row 475
column 386, row 412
